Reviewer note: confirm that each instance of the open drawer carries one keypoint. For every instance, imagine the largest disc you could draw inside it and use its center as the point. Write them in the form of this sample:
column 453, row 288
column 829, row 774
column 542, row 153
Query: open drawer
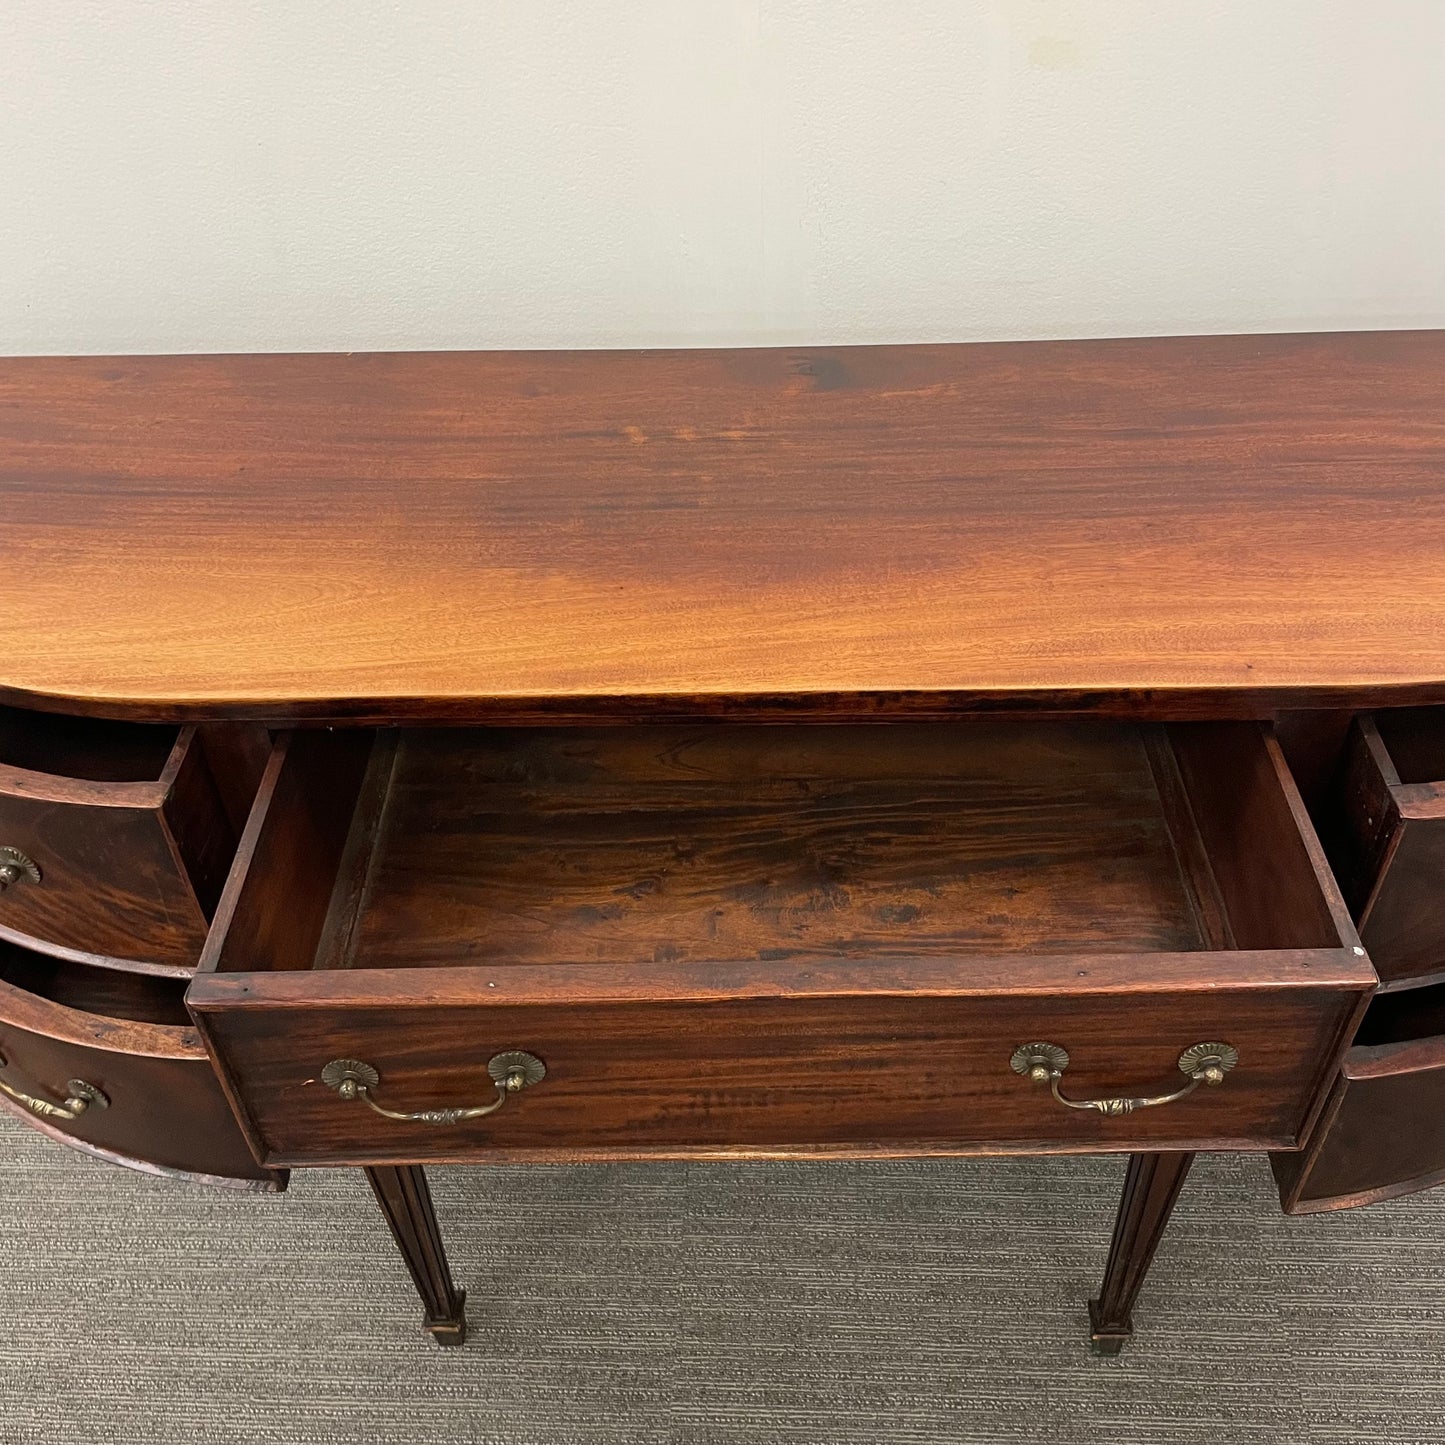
column 776, row 940
column 110, row 1063
column 114, row 840
column 1382, row 1132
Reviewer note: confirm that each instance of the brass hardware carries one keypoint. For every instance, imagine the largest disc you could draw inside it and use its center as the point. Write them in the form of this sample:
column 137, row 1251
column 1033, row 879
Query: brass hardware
column 15, row 867
column 511, row 1072
column 1200, row 1063
column 80, row 1097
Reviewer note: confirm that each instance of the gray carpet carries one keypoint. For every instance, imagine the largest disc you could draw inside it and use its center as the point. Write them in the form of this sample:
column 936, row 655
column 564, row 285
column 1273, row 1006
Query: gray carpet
column 836, row 1304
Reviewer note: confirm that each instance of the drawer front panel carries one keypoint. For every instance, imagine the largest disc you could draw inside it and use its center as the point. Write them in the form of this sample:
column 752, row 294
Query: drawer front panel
column 1382, row 1132
column 166, row 1109
column 112, row 882
column 775, row 1074
column 1380, row 1138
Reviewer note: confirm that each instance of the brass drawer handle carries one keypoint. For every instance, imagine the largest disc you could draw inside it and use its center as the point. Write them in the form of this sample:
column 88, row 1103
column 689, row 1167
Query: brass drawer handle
column 81, row 1096
column 15, row 868
column 511, row 1073
column 1200, row 1063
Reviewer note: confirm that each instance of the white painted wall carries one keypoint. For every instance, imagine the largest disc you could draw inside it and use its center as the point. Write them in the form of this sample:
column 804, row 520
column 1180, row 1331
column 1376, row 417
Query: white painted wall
column 337, row 174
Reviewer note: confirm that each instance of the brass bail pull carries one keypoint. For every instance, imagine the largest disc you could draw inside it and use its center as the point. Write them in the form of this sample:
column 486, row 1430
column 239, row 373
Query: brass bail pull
column 1199, row 1063
column 15, row 868
column 510, row 1072
column 79, row 1096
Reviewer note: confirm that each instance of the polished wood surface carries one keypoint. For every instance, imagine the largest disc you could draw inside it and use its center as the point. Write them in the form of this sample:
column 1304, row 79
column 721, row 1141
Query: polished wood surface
column 648, row 847
column 1207, row 522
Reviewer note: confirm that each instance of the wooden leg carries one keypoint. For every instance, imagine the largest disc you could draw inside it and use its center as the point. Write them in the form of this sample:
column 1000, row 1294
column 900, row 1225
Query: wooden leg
column 405, row 1200
column 1150, row 1188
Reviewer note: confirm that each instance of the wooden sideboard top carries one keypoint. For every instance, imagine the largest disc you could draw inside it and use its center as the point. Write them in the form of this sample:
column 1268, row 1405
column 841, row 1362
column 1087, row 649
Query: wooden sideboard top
column 437, row 534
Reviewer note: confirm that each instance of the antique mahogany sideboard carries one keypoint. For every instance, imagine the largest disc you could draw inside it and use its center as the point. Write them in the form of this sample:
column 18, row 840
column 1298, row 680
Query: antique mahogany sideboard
column 827, row 753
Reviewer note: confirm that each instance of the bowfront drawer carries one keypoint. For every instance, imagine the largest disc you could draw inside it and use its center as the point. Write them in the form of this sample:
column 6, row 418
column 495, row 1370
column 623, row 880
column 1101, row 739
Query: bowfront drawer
column 113, row 840
column 1394, row 805
column 1382, row 1132
column 448, row 945
column 109, row 1062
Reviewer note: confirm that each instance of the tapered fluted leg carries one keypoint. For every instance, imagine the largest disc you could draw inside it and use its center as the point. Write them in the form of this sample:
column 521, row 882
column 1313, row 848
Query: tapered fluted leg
column 1150, row 1188
column 405, row 1200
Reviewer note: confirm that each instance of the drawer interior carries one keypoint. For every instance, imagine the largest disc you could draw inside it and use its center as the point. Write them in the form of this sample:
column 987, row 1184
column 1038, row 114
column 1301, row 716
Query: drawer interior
column 85, row 748
column 1403, row 1017
column 1414, row 737
column 650, row 845
column 109, row 992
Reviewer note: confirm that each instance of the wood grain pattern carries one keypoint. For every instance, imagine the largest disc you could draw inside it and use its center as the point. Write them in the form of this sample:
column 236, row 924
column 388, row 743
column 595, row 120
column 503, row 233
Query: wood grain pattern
column 289, row 855
column 1246, row 520
column 1268, row 865
column 878, row 1064
column 1380, row 1133
column 667, row 844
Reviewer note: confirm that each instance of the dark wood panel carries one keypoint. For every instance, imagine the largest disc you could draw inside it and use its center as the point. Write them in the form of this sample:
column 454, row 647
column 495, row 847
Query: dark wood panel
column 419, row 535
column 131, row 866
column 198, row 824
column 772, row 1072
column 1368, row 819
column 1382, row 1133
column 236, row 754
column 1414, row 739
column 1276, row 886
column 1313, row 741
column 1409, row 1015
column 279, row 891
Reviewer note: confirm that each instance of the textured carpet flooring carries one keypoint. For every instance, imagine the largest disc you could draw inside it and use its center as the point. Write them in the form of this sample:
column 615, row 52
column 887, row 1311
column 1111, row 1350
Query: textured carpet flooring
column 842, row 1305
